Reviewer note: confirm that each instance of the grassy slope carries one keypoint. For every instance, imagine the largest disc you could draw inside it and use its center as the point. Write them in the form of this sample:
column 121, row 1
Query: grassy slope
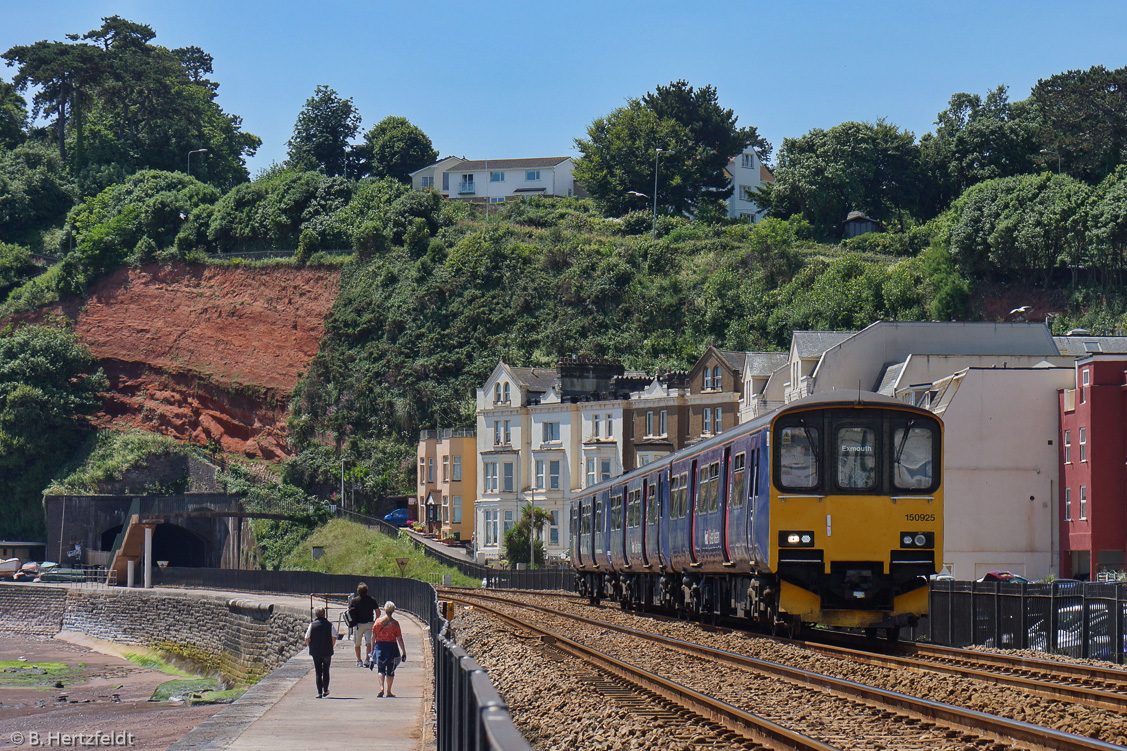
column 351, row 548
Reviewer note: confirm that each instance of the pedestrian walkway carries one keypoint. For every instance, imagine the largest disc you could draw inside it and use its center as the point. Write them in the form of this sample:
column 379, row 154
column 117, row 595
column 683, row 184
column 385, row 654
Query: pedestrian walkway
column 283, row 711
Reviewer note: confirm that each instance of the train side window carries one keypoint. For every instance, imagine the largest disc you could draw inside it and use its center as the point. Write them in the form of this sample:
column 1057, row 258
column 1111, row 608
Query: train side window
column 684, row 494
column 755, row 474
column 714, row 486
column 599, row 516
column 912, row 453
column 856, row 457
column 798, row 457
column 651, row 504
column 739, row 480
column 585, row 520
column 702, row 489
column 616, row 513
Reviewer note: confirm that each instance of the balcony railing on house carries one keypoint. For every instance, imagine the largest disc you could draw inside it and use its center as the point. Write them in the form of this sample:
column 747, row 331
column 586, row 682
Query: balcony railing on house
column 466, row 188
column 447, row 433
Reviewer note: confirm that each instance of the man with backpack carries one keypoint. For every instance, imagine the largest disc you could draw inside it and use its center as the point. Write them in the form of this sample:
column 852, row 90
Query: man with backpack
column 362, row 609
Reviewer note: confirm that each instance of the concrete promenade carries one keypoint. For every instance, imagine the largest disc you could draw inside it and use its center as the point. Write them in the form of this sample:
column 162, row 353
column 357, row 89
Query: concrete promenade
column 283, row 711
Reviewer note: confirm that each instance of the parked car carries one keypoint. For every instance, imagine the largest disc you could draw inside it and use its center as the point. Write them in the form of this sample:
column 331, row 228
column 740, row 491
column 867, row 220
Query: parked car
column 398, row 517
column 1004, row 576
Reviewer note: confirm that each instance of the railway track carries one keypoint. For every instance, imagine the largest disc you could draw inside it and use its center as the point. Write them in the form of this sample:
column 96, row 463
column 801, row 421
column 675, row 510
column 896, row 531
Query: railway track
column 898, row 720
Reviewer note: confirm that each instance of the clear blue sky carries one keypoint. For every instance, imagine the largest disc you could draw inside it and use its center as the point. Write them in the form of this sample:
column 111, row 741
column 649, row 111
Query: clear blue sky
column 519, row 79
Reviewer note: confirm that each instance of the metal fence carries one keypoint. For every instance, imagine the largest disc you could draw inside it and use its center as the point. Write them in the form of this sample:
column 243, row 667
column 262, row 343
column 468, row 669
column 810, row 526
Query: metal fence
column 1077, row 619
column 470, row 714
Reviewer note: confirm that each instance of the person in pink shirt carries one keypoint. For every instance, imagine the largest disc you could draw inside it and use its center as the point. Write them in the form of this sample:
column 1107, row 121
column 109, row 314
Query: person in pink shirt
column 387, row 648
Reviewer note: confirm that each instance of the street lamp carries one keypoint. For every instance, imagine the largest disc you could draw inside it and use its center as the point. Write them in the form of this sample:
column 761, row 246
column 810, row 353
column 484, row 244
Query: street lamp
column 196, row 151
column 1057, row 153
column 657, row 156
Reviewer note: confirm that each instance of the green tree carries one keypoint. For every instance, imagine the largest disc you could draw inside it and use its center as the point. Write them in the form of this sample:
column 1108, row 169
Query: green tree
column 530, row 527
column 13, row 116
column 825, row 174
column 48, row 383
column 1082, row 117
column 395, row 148
column 976, row 139
column 35, row 192
column 322, row 133
column 697, row 138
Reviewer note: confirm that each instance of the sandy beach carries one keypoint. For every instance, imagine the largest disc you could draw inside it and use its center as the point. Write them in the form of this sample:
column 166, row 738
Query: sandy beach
column 30, row 701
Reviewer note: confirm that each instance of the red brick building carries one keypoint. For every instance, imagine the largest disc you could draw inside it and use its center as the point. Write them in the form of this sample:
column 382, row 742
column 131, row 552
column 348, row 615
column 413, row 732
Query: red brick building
column 1093, row 456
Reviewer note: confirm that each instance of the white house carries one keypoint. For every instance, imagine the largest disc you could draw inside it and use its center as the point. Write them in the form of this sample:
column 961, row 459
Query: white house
column 436, row 175
column 747, row 173
column 499, row 180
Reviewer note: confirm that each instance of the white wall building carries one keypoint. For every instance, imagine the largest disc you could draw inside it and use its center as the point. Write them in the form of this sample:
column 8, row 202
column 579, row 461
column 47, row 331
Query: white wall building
column 499, row 180
column 747, row 173
column 435, row 176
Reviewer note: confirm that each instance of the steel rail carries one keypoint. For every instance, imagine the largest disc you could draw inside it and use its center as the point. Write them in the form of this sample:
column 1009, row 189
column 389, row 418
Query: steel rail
column 1091, row 697
column 1084, row 673
column 1000, row 729
column 745, row 724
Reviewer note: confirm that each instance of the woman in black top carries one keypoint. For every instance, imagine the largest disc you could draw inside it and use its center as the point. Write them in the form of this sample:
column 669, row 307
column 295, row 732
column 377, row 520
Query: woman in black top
column 319, row 637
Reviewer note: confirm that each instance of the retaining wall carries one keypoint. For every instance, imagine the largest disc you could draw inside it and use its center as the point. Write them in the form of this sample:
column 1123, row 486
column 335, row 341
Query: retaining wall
column 241, row 640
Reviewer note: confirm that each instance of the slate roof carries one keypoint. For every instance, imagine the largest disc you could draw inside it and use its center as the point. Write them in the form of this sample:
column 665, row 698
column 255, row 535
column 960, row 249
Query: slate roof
column 814, row 343
column 888, row 378
column 733, row 358
column 536, row 379
column 1082, row 346
column 764, row 363
column 504, row 164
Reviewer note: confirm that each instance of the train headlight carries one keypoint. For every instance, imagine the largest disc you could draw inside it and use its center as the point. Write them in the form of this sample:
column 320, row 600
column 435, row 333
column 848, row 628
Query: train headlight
column 797, row 539
column 917, row 540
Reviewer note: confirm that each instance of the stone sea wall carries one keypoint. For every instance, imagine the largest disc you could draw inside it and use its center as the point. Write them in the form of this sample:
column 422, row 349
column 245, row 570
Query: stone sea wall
column 240, row 640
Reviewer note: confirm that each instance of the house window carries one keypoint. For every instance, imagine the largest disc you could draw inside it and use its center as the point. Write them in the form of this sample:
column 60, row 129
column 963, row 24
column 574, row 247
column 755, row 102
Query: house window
column 445, row 509
column 497, row 199
column 649, row 423
column 716, row 382
column 747, row 161
column 707, row 379
column 604, row 470
column 427, row 182
column 590, row 472
column 746, row 194
column 456, row 512
column 446, row 469
column 532, row 174
column 490, row 472
column 716, row 421
column 457, row 469
column 508, row 520
column 554, row 529
column 554, row 475
column 430, row 469
column 1083, row 501
column 540, row 473
column 496, row 177
column 506, row 393
column 551, row 432
column 1068, row 447
column 508, row 478
column 490, row 528
column 1092, row 347
column 610, row 428
column 595, row 426
column 1083, row 444
column 1087, row 377
column 1068, row 504
column 497, row 393
column 707, row 421
column 663, row 423
column 508, row 433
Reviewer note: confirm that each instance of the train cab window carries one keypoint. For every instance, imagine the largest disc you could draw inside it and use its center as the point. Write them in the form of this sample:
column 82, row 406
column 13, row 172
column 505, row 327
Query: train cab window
column 856, row 457
column 739, row 481
column 798, row 457
column 912, row 453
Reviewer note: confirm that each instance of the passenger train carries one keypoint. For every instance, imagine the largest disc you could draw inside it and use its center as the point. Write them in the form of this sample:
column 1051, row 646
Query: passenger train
column 827, row 511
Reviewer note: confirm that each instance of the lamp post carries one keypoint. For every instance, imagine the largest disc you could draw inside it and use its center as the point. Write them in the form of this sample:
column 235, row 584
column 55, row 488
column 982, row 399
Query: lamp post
column 1057, row 153
column 657, row 156
column 196, row 151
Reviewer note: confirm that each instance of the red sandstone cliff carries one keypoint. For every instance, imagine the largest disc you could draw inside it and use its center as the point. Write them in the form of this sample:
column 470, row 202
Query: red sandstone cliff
column 207, row 354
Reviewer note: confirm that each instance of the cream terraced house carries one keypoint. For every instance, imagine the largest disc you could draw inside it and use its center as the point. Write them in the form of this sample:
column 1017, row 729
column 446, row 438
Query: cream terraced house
column 748, row 174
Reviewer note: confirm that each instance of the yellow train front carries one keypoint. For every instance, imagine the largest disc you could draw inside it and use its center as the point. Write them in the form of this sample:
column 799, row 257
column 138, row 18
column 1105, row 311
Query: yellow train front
column 856, row 511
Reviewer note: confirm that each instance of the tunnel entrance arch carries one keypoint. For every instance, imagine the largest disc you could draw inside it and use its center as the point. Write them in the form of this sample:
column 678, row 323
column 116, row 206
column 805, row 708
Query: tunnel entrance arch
column 109, row 536
column 179, row 546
